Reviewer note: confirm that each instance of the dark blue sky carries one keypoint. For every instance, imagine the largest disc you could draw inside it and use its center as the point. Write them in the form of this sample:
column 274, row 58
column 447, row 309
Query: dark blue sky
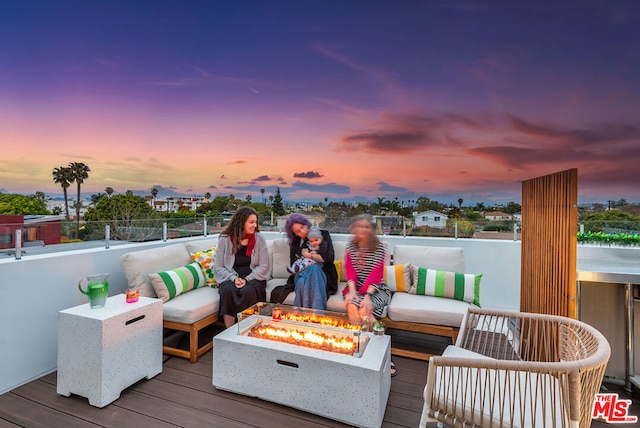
column 338, row 99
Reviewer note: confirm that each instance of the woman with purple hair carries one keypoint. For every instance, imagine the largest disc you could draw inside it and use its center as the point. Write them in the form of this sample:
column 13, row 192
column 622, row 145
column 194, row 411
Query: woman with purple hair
column 315, row 284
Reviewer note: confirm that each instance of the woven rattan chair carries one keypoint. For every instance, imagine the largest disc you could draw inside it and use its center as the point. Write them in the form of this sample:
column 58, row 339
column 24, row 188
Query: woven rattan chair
column 516, row 369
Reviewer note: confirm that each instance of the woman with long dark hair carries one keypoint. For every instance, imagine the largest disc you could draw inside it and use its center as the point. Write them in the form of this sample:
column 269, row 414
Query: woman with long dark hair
column 241, row 265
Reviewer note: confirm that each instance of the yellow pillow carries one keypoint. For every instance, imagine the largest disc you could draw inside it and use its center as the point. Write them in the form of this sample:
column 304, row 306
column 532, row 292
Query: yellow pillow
column 398, row 277
column 205, row 259
column 338, row 265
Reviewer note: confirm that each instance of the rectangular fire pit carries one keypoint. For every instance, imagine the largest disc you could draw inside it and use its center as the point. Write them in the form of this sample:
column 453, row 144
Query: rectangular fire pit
column 350, row 388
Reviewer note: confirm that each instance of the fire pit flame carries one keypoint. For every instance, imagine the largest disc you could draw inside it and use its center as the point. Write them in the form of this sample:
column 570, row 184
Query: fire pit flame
column 309, row 339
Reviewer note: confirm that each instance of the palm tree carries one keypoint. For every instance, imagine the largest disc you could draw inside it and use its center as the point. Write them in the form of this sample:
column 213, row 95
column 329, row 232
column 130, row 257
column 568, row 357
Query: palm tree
column 460, row 201
column 80, row 172
column 154, row 193
column 207, row 196
column 62, row 176
column 263, row 203
column 109, row 191
column 96, row 197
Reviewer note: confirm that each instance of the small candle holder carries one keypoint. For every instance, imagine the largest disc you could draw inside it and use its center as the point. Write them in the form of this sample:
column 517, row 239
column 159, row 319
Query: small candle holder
column 132, row 296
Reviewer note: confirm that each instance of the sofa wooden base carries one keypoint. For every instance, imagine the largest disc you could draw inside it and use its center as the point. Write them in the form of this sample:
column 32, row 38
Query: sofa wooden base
column 193, row 329
column 436, row 330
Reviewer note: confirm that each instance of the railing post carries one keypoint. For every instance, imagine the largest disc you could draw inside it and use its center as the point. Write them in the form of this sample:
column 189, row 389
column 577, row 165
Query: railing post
column 18, row 244
column 455, row 226
column 515, row 232
column 404, row 229
column 205, row 227
column 581, row 228
column 164, row 232
column 107, row 236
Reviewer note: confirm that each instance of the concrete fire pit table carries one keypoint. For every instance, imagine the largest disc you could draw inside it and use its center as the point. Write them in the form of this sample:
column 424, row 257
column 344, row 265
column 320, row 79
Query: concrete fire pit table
column 346, row 388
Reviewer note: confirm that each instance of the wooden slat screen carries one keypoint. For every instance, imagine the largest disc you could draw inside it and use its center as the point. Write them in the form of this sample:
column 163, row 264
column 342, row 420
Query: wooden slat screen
column 549, row 244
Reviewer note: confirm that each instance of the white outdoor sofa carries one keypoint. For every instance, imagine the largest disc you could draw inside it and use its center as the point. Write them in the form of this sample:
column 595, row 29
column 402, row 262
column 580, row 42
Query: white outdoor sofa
column 514, row 369
column 192, row 311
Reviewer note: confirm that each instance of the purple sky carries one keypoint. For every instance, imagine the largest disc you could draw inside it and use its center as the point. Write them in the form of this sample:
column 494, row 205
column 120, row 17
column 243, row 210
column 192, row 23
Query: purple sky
column 339, row 99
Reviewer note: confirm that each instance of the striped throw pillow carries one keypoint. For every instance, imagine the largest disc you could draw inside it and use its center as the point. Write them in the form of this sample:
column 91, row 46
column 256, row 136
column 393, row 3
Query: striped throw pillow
column 172, row 283
column 458, row 286
column 398, row 277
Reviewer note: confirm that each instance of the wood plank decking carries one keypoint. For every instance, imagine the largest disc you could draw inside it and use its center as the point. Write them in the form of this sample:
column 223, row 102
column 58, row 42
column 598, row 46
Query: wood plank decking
column 183, row 396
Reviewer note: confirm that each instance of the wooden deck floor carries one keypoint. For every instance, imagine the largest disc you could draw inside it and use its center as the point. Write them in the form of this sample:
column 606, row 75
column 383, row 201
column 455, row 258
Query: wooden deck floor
column 182, row 395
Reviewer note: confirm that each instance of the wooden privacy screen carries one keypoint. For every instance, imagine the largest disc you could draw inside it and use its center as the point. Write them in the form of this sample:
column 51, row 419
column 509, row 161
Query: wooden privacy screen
column 549, row 244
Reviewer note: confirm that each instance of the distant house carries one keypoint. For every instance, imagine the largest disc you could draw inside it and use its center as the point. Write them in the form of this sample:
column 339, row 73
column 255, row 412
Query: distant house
column 430, row 218
column 36, row 230
column 497, row 216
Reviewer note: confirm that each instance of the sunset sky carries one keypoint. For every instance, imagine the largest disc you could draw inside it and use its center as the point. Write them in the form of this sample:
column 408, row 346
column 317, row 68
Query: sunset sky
column 340, row 99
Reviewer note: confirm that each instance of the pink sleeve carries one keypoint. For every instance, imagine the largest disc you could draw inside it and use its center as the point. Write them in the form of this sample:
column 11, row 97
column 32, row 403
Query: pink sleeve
column 349, row 269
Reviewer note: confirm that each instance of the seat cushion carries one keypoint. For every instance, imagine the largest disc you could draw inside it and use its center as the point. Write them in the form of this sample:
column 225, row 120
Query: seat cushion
column 192, row 306
column 458, row 352
column 427, row 309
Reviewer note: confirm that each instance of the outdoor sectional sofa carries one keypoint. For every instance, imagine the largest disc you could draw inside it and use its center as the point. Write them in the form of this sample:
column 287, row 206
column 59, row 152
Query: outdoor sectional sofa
column 193, row 310
column 189, row 312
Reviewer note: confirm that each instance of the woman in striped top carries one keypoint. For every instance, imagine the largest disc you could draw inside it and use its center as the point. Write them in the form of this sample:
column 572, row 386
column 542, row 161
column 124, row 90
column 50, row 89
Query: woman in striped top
column 366, row 293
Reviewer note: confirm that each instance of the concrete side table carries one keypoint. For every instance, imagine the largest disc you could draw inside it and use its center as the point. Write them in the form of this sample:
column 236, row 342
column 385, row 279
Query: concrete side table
column 103, row 351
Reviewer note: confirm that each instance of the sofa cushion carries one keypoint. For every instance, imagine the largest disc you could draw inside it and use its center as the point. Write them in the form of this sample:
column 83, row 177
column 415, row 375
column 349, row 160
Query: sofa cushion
column 427, row 309
column 458, row 352
column 440, row 258
column 338, row 254
column 192, row 306
column 201, row 244
column 398, row 277
column 205, row 259
column 280, row 258
column 138, row 264
column 338, row 265
column 440, row 283
column 174, row 282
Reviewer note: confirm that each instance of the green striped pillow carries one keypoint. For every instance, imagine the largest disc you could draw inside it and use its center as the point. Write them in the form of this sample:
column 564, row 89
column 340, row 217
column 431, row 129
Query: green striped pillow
column 172, row 283
column 458, row 286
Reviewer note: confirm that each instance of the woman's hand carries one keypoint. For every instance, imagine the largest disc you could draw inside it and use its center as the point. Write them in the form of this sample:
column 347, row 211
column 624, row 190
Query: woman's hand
column 306, row 253
column 240, row 282
column 349, row 297
column 366, row 303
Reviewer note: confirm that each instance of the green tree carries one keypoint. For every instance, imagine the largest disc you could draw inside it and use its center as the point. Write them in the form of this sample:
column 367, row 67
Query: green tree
column 262, row 192
column 129, row 216
column 96, row 197
column 62, row 175
column 277, row 207
column 40, row 196
column 109, row 191
column 79, row 172
column 20, row 204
